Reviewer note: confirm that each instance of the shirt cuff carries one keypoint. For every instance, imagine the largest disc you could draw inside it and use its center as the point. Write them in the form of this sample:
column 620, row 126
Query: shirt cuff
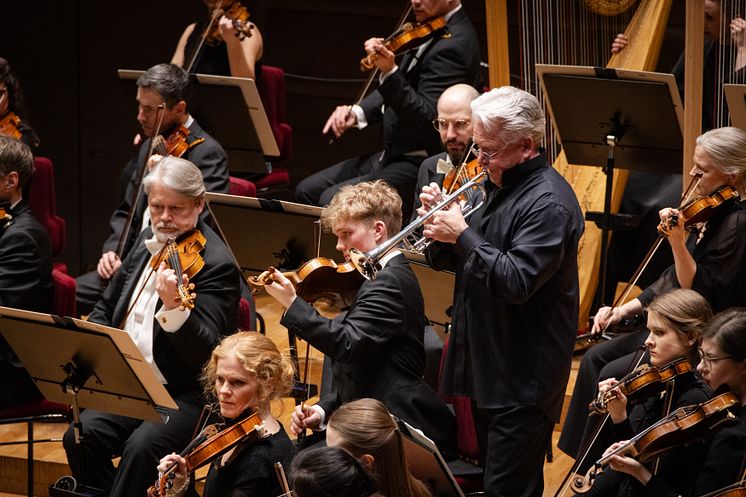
column 362, row 122
column 383, row 77
column 173, row 319
column 320, row 410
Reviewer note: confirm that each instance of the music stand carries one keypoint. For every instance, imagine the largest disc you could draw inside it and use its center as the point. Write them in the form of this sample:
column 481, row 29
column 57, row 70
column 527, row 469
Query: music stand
column 84, row 365
column 426, row 463
column 735, row 96
column 607, row 116
column 230, row 110
column 437, row 290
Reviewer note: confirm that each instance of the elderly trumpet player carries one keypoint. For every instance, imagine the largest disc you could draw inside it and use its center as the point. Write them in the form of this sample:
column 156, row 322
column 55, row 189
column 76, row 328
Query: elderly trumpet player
column 516, row 295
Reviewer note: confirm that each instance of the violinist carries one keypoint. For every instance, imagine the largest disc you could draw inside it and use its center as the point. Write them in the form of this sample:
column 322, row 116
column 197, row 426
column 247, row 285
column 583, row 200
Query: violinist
column 245, row 373
column 675, row 320
column 454, row 127
column 25, row 263
column 161, row 84
column 404, row 103
column 723, row 367
column 226, row 49
column 376, row 347
column 709, row 257
column 175, row 341
column 13, row 117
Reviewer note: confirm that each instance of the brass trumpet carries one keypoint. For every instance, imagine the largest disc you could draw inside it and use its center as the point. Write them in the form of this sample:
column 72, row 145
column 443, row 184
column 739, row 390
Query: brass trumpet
column 367, row 263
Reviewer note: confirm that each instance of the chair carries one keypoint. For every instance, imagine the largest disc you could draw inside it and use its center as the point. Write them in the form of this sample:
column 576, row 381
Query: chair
column 63, row 296
column 29, row 413
column 272, row 92
column 242, row 187
column 43, row 204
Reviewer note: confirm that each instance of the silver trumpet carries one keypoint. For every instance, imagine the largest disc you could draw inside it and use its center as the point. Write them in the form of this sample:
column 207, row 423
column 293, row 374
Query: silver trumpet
column 367, row 263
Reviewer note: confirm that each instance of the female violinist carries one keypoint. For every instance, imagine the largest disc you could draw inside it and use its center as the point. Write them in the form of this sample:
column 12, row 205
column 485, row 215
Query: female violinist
column 13, row 118
column 245, row 372
column 711, row 260
column 723, row 366
column 675, row 320
column 226, row 43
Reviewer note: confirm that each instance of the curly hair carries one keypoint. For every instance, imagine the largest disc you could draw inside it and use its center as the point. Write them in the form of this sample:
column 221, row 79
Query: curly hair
column 273, row 371
column 368, row 202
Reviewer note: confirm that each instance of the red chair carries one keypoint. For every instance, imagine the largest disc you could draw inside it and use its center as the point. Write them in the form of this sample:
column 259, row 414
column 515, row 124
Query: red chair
column 43, row 203
column 271, row 86
column 63, row 297
column 242, row 187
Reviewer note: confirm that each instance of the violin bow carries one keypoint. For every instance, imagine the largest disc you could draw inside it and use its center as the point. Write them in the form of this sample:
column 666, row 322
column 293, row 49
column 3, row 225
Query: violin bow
column 282, row 478
column 140, row 176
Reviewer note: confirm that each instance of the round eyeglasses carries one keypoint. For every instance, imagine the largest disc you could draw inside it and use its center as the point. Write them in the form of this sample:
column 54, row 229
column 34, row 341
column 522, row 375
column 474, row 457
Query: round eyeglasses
column 458, row 124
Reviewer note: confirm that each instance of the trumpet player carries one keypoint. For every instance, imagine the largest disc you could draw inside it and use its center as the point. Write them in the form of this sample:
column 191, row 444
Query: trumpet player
column 516, row 295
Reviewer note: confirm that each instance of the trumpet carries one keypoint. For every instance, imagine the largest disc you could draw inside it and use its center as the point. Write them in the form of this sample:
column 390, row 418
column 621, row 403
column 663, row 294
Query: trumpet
column 368, row 263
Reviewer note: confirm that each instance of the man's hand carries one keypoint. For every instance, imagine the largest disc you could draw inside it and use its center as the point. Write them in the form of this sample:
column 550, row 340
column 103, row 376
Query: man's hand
column 383, row 58
column 303, row 419
column 340, row 121
column 605, row 317
column 167, row 286
column 445, row 225
column 108, row 264
column 281, row 288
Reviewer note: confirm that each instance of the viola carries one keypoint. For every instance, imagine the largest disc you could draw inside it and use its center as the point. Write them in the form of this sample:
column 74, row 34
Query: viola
column 319, row 279
column 5, row 219
column 10, row 125
column 249, row 429
column 684, row 425
column 699, row 210
column 644, row 381
column 175, row 144
column 236, row 12
column 183, row 256
column 408, row 36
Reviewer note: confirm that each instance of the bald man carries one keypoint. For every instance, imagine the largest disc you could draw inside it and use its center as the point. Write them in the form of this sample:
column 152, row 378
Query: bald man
column 454, row 127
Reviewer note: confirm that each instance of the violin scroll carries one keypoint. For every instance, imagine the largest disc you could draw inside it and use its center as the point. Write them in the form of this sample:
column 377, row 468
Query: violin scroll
column 582, row 484
column 238, row 14
column 10, row 125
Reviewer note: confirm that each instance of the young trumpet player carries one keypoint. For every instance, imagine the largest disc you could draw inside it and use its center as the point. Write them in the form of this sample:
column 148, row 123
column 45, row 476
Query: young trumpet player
column 377, row 345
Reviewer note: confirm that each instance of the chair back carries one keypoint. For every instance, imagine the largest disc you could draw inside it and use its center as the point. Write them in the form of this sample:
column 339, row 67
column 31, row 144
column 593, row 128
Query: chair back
column 43, row 203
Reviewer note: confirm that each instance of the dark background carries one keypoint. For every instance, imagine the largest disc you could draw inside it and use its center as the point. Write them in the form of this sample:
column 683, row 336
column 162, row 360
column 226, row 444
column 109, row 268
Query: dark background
column 66, row 54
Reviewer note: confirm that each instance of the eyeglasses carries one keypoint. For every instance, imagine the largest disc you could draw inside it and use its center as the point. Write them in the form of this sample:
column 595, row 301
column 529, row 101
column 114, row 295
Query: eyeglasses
column 487, row 154
column 707, row 360
column 458, row 124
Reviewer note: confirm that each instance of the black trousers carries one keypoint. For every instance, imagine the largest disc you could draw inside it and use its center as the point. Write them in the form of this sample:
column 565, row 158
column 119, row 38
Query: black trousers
column 513, row 442
column 609, row 359
column 88, row 290
column 399, row 172
column 141, row 444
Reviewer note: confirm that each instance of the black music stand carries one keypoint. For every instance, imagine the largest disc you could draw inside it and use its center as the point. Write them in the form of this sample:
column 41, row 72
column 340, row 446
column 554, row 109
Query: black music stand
column 735, row 96
column 614, row 118
column 426, row 463
column 230, row 110
column 85, row 365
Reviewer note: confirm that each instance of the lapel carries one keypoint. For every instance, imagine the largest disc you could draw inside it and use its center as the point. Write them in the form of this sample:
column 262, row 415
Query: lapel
column 138, row 264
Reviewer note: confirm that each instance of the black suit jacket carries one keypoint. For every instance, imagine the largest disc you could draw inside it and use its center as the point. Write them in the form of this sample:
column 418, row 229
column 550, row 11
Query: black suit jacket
column 180, row 355
column 377, row 350
column 209, row 156
column 410, row 97
column 25, row 263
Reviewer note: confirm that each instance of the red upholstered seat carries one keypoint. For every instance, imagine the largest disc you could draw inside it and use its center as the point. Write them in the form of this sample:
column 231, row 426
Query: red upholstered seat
column 245, row 316
column 43, row 203
column 271, row 88
column 34, row 408
column 63, row 299
column 242, row 187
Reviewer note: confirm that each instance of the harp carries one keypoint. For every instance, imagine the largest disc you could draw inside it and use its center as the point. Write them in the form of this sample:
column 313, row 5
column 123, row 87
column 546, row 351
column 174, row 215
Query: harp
column 584, row 40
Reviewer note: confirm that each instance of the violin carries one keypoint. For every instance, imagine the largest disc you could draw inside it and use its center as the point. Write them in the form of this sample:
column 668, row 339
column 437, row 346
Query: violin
column 458, row 176
column 699, row 210
column 5, row 219
column 644, row 381
column 236, row 12
column 10, row 125
column 408, row 36
column 175, row 144
column 250, row 428
column 685, row 425
column 183, row 256
column 319, row 279
column 737, row 489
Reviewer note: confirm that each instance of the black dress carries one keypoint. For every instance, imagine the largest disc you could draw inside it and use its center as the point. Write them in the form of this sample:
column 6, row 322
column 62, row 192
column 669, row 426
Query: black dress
column 251, row 472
